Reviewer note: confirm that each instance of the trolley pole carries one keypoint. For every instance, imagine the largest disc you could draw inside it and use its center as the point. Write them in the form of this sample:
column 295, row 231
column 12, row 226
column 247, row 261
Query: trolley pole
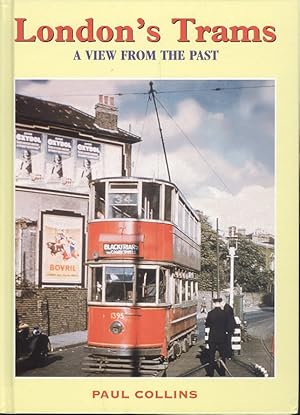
column 160, row 129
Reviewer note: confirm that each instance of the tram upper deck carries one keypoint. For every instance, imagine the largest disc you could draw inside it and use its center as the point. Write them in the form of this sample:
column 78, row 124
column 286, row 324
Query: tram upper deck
column 142, row 218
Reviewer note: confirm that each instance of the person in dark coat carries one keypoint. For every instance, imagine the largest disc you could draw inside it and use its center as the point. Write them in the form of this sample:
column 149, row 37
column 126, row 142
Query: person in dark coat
column 230, row 328
column 217, row 322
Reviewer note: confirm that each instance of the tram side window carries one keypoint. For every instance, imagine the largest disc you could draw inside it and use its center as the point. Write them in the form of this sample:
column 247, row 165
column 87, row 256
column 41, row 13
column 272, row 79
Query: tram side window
column 186, row 221
column 100, row 201
column 183, row 290
column 146, row 285
column 168, row 203
column 96, row 294
column 180, row 215
column 194, row 229
column 177, row 291
column 150, row 201
column 198, row 232
column 190, row 290
column 162, row 286
column 193, row 296
column 119, row 284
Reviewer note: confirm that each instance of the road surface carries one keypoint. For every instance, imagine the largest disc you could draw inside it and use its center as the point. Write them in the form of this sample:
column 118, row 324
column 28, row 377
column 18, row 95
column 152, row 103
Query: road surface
column 67, row 362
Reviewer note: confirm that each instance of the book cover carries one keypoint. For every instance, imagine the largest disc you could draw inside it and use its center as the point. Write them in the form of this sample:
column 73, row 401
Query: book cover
column 149, row 160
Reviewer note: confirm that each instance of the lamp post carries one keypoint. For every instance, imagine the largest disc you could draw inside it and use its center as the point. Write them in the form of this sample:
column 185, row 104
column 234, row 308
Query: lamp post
column 232, row 247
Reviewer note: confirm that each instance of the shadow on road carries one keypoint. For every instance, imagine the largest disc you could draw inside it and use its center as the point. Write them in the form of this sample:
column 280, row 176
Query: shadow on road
column 28, row 364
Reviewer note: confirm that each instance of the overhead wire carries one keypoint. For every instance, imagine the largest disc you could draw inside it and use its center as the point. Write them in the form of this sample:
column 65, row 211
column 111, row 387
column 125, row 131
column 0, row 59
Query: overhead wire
column 217, row 89
column 152, row 92
column 195, row 147
column 178, row 91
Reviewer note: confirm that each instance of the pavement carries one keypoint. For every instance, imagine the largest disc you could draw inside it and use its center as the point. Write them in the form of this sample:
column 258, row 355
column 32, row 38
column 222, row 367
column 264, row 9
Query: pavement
column 63, row 341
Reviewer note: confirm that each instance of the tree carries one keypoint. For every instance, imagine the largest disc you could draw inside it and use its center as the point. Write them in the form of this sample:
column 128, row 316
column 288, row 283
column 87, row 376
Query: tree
column 251, row 271
column 209, row 257
column 250, row 266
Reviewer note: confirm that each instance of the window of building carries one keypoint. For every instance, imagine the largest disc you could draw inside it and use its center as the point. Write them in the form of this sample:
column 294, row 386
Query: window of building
column 119, row 284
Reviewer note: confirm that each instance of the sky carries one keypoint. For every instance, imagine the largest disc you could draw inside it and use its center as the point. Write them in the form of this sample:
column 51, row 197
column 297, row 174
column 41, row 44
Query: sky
column 219, row 137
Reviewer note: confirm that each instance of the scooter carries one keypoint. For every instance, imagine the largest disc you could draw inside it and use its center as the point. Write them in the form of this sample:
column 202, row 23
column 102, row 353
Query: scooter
column 34, row 347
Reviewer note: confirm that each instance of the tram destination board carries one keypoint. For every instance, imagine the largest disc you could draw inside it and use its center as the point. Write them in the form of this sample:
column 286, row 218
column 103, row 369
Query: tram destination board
column 120, row 249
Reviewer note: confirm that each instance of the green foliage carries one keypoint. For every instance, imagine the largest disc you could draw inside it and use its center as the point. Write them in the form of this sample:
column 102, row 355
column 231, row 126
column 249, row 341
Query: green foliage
column 209, row 257
column 250, row 267
column 250, row 270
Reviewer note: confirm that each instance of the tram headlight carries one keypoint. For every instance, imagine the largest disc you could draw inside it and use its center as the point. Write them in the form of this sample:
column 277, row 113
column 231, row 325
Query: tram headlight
column 116, row 327
column 96, row 256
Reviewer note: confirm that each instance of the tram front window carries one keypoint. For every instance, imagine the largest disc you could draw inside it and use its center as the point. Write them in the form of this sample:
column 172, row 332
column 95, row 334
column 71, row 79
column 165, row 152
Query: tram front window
column 119, row 284
column 96, row 292
column 123, row 205
column 100, row 201
column 146, row 286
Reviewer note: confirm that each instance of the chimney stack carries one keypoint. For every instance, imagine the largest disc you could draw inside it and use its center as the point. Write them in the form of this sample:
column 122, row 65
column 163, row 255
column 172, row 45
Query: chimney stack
column 106, row 114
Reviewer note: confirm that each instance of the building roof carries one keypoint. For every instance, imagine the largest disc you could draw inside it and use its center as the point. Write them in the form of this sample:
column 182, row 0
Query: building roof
column 36, row 112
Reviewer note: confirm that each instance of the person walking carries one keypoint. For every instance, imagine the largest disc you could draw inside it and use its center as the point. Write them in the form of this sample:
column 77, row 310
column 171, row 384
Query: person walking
column 217, row 322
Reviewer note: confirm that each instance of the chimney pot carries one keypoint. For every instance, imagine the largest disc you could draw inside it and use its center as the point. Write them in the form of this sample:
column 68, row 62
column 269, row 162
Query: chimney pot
column 106, row 113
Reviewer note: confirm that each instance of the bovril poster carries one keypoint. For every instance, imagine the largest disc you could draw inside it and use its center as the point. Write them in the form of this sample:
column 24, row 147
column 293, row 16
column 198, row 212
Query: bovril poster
column 211, row 45
column 62, row 250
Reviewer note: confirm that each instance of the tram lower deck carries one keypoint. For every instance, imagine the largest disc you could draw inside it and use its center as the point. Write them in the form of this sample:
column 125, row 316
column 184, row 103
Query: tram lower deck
column 144, row 261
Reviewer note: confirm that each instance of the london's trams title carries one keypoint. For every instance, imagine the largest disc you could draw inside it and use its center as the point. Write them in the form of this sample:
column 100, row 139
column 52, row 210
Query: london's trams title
column 184, row 29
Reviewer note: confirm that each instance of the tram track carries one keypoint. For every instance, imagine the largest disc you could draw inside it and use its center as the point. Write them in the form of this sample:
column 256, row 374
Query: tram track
column 254, row 367
column 239, row 362
column 250, row 365
column 268, row 352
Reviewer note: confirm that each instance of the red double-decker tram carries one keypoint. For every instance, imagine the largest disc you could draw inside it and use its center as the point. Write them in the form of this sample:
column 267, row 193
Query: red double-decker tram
column 144, row 264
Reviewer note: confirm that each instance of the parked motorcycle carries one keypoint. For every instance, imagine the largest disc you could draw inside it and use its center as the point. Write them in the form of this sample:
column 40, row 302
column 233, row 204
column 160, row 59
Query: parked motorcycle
column 34, row 346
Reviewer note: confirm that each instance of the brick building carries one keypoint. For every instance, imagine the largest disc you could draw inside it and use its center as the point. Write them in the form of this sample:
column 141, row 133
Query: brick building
column 59, row 149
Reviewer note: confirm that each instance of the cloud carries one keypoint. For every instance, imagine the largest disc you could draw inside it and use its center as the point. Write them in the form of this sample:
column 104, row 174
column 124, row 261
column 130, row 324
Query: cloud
column 192, row 169
column 81, row 94
column 252, row 208
column 189, row 122
column 220, row 145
